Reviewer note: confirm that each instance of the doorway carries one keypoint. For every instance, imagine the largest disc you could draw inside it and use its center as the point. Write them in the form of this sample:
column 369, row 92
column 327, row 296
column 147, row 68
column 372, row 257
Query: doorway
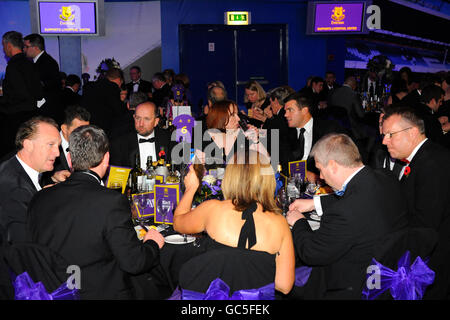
column 233, row 55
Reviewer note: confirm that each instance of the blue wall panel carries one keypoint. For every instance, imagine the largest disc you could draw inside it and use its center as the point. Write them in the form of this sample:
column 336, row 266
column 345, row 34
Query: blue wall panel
column 307, row 54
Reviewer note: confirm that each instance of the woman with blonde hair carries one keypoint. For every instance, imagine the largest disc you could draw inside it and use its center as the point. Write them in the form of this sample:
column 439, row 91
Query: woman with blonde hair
column 256, row 100
column 248, row 244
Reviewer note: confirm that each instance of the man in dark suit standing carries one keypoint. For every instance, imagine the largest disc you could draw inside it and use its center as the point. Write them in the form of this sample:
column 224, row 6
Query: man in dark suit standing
column 425, row 182
column 69, row 96
column 345, row 97
column 305, row 131
column 148, row 139
column 48, row 69
column 137, row 84
column 37, row 142
column 22, row 90
column 90, row 226
column 367, row 206
column 102, row 100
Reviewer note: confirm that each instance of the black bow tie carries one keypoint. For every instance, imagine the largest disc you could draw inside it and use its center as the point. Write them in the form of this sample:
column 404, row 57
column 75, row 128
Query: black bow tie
column 151, row 140
column 137, row 82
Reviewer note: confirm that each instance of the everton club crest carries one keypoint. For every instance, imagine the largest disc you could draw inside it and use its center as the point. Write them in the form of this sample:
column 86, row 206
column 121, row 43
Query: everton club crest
column 66, row 14
column 338, row 14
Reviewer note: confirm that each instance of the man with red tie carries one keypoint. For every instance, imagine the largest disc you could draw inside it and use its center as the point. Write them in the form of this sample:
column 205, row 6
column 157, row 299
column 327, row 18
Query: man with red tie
column 425, row 180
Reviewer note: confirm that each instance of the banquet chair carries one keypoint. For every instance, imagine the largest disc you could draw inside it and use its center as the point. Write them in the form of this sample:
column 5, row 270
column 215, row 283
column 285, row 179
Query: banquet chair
column 37, row 273
column 392, row 254
column 239, row 269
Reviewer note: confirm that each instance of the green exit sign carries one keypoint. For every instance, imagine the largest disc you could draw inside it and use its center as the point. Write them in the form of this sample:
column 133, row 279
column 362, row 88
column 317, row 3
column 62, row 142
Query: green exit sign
column 237, row 18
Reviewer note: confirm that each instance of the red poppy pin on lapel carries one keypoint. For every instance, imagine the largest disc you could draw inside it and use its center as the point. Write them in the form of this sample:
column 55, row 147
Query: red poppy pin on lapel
column 407, row 171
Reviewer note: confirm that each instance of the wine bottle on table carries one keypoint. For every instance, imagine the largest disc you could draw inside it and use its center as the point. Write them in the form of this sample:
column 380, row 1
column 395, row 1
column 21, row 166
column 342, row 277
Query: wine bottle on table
column 137, row 175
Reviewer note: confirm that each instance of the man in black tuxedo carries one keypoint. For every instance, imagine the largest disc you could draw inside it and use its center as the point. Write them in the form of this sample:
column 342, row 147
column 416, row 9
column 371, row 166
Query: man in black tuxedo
column 370, row 84
column 90, row 226
column 148, row 139
column 22, row 90
column 366, row 206
column 330, row 85
column 314, row 92
column 69, row 96
column 305, row 131
column 161, row 91
column 48, row 69
column 37, row 142
column 431, row 99
column 75, row 116
column 103, row 102
column 425, row 182
column 137, row 84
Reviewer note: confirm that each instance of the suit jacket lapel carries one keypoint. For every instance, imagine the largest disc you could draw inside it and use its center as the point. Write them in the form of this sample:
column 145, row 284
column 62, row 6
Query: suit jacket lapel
column 62, row 158
column 26, row 178
column 157, row 144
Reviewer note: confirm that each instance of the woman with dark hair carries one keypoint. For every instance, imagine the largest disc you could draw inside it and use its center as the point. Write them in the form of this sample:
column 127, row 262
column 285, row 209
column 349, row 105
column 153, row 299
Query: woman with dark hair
column 224, row 137
column 399, row 90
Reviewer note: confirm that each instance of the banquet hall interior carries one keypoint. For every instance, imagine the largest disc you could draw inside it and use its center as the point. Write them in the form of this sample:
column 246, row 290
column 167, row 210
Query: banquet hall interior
column 344, row 104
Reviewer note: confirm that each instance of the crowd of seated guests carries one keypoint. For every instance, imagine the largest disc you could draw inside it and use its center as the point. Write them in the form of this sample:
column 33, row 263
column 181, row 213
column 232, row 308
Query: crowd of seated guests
column 396, row 166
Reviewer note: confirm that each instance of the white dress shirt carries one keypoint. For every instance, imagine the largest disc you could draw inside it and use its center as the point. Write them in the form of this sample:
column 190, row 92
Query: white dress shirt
column 33, row 174
column 136, row 85
column 308, row 135
column 64, row 145
column 146, row 149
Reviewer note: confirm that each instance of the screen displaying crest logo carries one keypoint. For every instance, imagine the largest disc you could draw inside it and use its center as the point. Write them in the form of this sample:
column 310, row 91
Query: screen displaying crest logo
column 338, row 14
column 66, row 14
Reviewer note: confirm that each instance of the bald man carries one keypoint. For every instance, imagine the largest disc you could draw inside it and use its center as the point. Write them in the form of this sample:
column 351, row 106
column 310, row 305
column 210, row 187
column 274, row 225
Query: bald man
column 147, row 139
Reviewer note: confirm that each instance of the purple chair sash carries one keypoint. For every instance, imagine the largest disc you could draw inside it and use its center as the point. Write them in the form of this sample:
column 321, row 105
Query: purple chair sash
column 219, row 290
column 26, row 289
column 409, row 282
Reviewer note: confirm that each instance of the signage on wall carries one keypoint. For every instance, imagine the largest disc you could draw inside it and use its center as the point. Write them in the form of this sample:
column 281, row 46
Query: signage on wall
column 237, row 18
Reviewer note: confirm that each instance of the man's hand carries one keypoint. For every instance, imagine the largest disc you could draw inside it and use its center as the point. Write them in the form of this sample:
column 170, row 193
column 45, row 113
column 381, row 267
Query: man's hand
column 293, row 216
column 60, row 176
column 154, row 235
column 302, row 205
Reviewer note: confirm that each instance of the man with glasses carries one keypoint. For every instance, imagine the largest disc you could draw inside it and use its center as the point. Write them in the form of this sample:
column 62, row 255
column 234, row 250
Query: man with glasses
column 425, row 181
column 148, row 140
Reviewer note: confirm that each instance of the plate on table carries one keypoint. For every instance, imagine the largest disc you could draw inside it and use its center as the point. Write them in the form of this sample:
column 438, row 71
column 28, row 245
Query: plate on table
column 178, row 239
column 141, row 232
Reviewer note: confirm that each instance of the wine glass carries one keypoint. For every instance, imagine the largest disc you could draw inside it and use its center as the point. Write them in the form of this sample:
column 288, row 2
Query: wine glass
column 283, row 200
column 164, row 206
column 116, row 186
column 311, row 188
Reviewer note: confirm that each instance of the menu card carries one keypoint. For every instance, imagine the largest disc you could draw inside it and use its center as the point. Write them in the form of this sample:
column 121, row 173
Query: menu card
column 144, row 204
column 167, row 197
column 297, row 167
column 118, row 174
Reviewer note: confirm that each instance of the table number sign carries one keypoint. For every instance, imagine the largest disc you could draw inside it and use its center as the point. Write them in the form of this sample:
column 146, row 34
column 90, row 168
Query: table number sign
column 167, row 197
column 118, row 174
column 297, row 167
